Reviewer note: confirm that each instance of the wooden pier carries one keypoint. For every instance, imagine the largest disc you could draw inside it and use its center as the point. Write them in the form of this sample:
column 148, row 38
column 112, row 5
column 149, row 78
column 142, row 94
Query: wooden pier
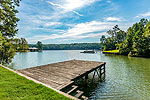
column 63, row 74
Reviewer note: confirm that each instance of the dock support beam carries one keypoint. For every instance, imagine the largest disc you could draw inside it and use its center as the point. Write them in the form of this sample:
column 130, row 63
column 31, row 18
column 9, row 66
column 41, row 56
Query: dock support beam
column 100, row 73
column 86, row 80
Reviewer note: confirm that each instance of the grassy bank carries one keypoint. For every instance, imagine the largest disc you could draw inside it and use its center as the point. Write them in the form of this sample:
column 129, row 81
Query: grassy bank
column 15, row 87
column 111, row 52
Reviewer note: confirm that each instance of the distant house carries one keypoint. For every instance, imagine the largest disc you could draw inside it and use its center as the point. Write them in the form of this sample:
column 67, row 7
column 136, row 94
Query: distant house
column 33, row 49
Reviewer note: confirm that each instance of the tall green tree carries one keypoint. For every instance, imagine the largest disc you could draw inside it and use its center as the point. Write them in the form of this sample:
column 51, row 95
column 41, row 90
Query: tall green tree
column 114, row 31
column 102, row 41
column 116, row 36
column 8, row 29
column 136, row 41
column 40, row 45
column 7, row 51
column 8, row 17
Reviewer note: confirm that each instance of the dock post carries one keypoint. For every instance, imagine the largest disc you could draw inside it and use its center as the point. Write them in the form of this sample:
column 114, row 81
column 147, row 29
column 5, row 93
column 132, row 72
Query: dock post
column 104, row 70
column 93, row 77
column 100, row 73
column 104, row 67
column 86, row 80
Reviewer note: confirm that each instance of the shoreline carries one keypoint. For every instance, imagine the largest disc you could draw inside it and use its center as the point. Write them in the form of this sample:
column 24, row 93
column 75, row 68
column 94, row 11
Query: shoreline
column 117, row 53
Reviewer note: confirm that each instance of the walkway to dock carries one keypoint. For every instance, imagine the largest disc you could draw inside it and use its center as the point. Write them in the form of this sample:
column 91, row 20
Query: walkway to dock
column 61, row 74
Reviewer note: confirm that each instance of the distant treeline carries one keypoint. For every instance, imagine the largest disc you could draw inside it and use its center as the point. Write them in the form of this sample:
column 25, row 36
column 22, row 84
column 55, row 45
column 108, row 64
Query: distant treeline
column 73, row 46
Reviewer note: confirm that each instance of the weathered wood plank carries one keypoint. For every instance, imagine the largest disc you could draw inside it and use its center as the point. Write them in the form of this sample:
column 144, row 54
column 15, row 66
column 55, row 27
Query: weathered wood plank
column 65, row 85
column 79, row 94
column 42, row 79
column 85, row 98
column 73, row 89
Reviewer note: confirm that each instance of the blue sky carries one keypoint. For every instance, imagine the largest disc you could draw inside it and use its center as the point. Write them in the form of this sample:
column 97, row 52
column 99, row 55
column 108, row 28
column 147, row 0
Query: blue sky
column 76, row 21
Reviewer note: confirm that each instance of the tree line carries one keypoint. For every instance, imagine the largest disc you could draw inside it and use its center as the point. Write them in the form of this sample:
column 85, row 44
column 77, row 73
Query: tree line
column 73, row 46
column 8, row 29
column 134, row 42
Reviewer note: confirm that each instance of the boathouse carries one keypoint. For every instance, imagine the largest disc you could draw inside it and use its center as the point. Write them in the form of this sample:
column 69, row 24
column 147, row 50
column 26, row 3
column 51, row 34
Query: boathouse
column 33, row 49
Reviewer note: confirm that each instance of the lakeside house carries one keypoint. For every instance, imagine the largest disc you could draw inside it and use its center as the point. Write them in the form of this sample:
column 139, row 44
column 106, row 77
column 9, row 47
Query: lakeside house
column 33, row 49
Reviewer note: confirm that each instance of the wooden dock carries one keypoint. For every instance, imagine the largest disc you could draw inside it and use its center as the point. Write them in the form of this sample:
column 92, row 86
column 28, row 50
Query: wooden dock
column 62, row 74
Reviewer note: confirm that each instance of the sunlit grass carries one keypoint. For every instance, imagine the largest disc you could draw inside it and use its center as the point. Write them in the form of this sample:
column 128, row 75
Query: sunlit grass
column 15, row 87
column 111, row 51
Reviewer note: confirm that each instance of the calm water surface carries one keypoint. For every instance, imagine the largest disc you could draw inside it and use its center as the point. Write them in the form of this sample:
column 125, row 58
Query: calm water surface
column 127, row 78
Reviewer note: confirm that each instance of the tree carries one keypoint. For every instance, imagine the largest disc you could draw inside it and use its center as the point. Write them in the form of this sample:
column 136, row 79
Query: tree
column 24, row 44
column 116, row 36
column 73, row 46
column 8, row 17
column 8, row 29
column 7, row 51
column 137, row 40
column 120, row 36
column 20, row 45
column 113, row 32
column 40, row 45
column 134, row 42
column 103, row 40
column 147, row 30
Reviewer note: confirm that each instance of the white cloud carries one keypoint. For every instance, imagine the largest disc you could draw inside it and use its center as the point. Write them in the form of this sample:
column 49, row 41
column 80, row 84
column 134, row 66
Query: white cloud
column 88, row 27
column 45, row 17
column 113, row 19
column 147, row 14
column 108, row 1
column 91, row 29
column 71, row 5
column 91, row 35
column 64, row 8
column 46, row 23
column 37, row 21
column 45, row 37
column 82, row 30
column 52, row 24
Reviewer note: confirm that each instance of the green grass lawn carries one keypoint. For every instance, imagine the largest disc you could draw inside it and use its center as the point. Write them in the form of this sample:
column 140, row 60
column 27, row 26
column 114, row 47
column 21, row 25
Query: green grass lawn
column 111, row 51
column 16, row 87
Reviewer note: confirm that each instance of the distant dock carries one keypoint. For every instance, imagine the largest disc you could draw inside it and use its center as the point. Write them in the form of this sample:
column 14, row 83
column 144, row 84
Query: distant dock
column 88, row 51
column 63, row 74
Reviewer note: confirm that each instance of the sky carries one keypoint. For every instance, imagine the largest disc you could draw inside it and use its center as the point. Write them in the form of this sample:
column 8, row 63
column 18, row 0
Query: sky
column 76, row 21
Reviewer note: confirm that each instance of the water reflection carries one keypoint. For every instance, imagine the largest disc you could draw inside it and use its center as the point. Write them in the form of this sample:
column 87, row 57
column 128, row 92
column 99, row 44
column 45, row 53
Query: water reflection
column 39, row 58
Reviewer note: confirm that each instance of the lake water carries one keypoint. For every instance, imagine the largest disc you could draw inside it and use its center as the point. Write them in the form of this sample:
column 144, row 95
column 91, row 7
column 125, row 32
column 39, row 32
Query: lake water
column 127, row 78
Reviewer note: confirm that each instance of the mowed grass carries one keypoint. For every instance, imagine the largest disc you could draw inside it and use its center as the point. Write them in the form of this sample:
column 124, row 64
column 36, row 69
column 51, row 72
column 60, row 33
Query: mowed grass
column 16, row 87
column 111, row 51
